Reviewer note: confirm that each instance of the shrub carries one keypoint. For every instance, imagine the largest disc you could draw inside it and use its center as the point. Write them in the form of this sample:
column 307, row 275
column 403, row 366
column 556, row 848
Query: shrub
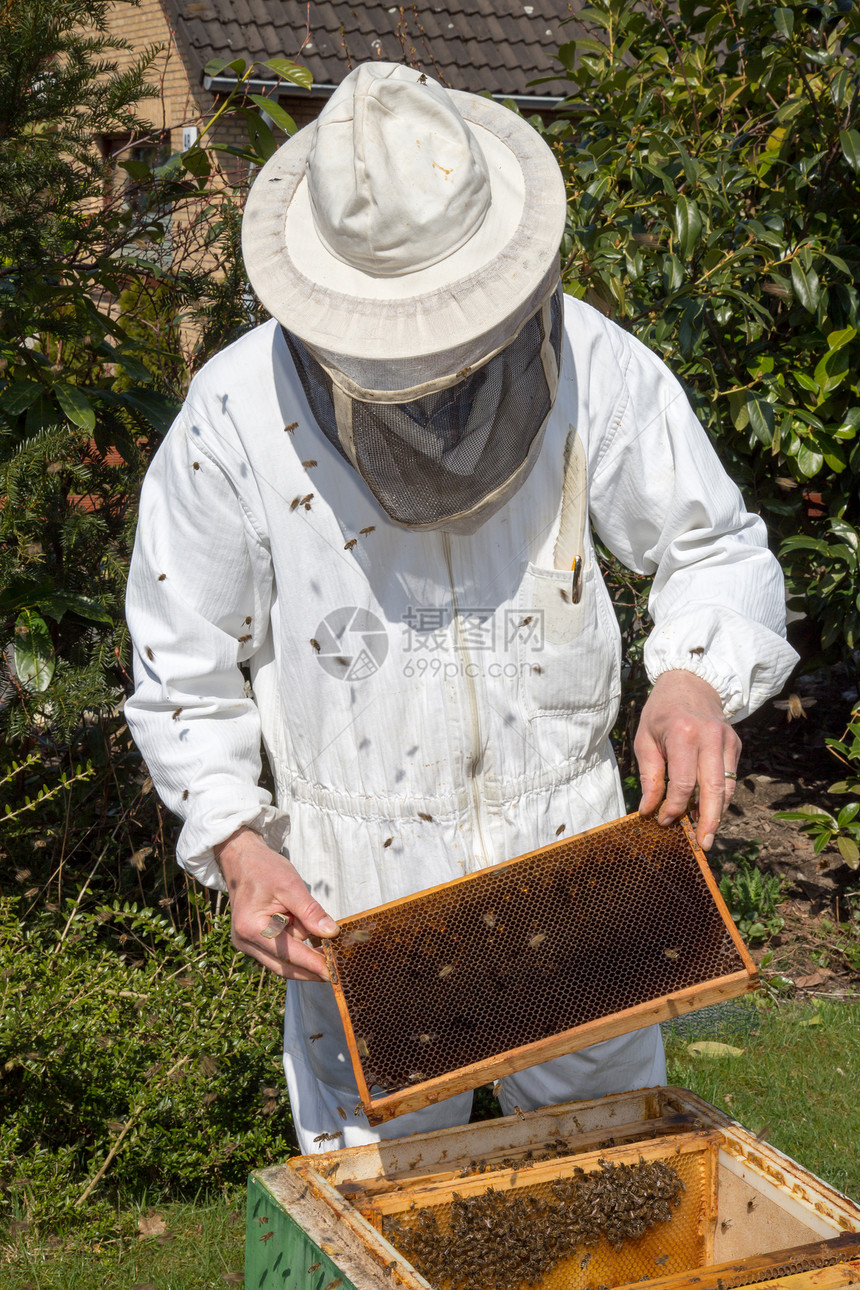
column 711, row 156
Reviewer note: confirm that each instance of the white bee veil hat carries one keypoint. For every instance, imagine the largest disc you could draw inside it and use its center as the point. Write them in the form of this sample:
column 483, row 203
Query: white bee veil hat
column 408, row 234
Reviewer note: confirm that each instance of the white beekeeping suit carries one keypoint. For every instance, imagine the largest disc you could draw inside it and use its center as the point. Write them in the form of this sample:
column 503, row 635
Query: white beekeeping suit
column 383, row 503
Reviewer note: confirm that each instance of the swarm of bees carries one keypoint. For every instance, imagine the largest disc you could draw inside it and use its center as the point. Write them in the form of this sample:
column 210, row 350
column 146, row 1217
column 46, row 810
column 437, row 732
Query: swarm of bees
column 517, row 1237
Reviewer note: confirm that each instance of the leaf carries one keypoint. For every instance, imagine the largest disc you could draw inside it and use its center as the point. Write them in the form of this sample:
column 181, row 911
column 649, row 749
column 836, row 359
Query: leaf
column 688, row 225
column 291, row 71
column 18, row 396
column 273, row 109
column 710, row 1048
column 849, row 851
column 809, row 461
column 783, row 20
column 849, row 141
column 217, row 66
column 76, row 405
column 761, row 418
column 806, row 1022
column 33, row 652
column 151, row 1224
column 805, row 286
column 260, row 137
column 847, row 814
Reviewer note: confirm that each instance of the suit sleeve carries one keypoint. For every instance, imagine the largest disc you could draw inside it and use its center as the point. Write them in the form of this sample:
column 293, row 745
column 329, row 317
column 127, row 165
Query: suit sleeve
column 198, row 601
column 664, row 506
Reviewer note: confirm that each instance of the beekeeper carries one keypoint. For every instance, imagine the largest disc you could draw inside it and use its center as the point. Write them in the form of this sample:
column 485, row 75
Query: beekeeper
column 381, row 503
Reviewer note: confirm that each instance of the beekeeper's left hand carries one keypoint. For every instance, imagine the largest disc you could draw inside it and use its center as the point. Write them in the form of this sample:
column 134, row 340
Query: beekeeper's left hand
column 684, row 742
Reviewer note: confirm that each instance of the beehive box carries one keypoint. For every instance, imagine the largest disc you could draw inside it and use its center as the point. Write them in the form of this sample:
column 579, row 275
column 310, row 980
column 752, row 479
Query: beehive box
column 746, row 1215
column 577, row 942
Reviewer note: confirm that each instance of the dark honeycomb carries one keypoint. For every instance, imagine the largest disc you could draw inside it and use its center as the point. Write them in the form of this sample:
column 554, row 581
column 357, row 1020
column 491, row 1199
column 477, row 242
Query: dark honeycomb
column 563, row 936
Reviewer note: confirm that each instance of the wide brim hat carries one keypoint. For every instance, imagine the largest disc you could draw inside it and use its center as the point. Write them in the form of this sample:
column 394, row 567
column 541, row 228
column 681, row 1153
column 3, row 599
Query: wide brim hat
column 409, row 233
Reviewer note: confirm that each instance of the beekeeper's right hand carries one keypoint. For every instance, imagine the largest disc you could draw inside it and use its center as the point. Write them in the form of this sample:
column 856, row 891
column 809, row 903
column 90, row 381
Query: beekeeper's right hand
column 272, row 912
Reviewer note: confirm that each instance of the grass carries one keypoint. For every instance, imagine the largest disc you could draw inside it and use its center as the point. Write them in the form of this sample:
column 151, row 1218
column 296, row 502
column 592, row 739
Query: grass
column 797, row 1082
column 200, row 1247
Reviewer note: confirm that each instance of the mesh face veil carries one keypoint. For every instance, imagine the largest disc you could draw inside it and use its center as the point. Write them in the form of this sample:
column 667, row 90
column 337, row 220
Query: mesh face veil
column 451, row 456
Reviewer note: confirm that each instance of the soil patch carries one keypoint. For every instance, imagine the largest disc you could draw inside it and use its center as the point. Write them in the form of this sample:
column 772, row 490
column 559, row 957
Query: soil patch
column 786, row 766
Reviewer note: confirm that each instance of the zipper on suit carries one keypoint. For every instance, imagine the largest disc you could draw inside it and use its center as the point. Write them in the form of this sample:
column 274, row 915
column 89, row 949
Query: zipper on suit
column 474, row 768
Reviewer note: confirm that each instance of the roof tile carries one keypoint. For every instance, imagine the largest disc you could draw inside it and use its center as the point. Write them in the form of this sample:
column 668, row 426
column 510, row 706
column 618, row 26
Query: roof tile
column 468, row 44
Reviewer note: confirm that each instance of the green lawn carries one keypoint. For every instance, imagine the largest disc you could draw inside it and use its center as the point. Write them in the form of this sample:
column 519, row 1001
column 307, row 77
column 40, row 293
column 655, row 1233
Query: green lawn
column 200, row 1248
column 797, row 1081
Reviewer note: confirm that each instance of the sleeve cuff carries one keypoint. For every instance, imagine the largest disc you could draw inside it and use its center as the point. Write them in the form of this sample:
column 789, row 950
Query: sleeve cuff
column 272, row 824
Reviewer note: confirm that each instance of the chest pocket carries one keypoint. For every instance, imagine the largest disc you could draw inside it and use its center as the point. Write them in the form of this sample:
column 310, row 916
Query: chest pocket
column 569, row 645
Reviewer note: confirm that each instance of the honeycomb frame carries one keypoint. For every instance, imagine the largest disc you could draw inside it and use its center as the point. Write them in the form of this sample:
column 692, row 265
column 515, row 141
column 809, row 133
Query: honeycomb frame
column 471, row 980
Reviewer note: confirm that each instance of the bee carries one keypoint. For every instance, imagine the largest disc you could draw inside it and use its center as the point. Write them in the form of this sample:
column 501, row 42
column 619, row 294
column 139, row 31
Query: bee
column 565, row 596
column 426, row 1039
column 386, row 1271
column 585, row 1262
column 347, row 546
column 446, row 971
column 700, row 649
column 525, row 621
column 314, row 1268
column 185, row 794
column 333, row 1285
column 328, row 1137
column 795, row 706
column 244, row 639
column 314, row 1038
column 307, row 506
column 371, row 528
column 344, row 662
column 177, row 713
column 388, row 842
column 296, row 502
column 751, row 1204
column 291, row 427
column 672, row 953
column 149, row 653
column 725, row 1225
column 267, row 1236
column 537, row 940
column 422, row 815
column 661, row 1260
column 489, row 918
column 308, row 497
column 195, row 465
column 358, row 937
column 416, row 1077
column 561, row 828
column 308, row 464
column 518, row 1111
column 316, row 645
column 341, row 1112
column 422, row 79
column 361, row 1045
column 536, row 667
column 358, row 1110
column 248, row 621
column 161, row 577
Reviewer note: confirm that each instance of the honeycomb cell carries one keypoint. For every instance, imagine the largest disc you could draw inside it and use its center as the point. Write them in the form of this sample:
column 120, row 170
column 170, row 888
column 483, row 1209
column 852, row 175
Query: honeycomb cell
column 512, row 955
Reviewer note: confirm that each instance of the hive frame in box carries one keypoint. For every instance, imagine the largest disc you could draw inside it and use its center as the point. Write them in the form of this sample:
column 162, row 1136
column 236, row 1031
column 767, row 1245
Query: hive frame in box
column 300, row 1216
column 422, row 1092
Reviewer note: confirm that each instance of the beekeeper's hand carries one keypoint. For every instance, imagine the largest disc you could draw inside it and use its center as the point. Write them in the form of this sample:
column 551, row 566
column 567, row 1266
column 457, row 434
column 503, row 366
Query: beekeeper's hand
column 272, row 912
column 684, row 741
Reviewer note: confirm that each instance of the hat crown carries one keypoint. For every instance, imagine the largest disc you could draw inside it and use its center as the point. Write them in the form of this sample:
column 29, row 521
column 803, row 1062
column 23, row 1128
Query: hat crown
column 396, row 179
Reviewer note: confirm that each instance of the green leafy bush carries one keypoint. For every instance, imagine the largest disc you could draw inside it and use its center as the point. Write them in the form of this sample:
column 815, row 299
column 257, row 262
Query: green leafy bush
column 133, row 1059
column 711, row 154
column 752, row 898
